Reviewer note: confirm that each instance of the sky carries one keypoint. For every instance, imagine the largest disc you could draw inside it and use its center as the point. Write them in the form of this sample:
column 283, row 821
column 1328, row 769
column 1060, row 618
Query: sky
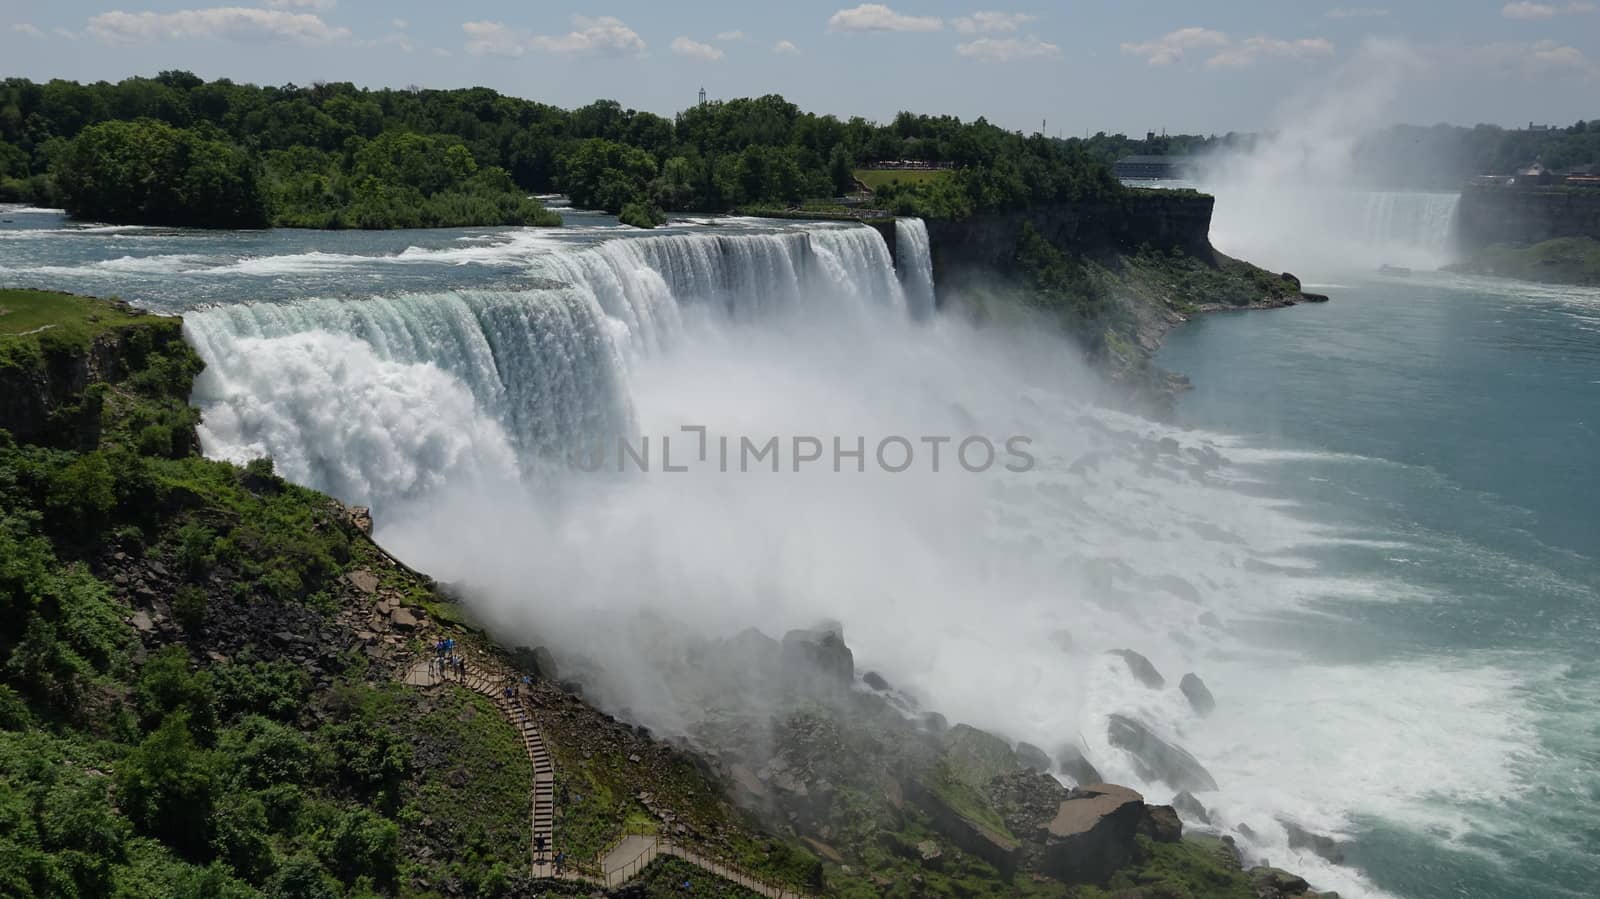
column 1070, row 67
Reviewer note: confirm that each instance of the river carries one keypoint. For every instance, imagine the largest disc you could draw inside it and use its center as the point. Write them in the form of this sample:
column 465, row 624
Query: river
column 1372, row 531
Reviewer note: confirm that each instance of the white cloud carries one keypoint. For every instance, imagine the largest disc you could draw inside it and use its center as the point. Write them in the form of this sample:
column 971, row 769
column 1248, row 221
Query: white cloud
column 440, row 51
column 1357, row 12
column 990, row 49
column 877, row 17
column 734, row 35
column 65, row 33
column 1226, row 52
column 686, row 47
column 29, row 30
column 1244, row 54
column 323, row 5
column 602, row 35
column 1169, row 48
column 400, row 24
column 605, row 35
column 234, row 22
column 494, row 39
column 1532, row 60
column 991, row 21
column 1527, row 10
column 786, row 48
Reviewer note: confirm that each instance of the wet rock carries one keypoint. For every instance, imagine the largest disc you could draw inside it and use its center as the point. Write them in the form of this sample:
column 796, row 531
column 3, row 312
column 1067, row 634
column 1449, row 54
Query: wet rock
column 1314, row 297
column 1071, row 761
column 362, row 580
column 1190, row 807
column 1320, row 844
column 935, row 722
column 1141, row 668
column 1093, row 833
column 822, row 652
column 1273, row 883
column 875, row 680
column 1156, row 759
column 1033, row 758
column 1245, row 831
column 1194, row 689
column 1161, row 823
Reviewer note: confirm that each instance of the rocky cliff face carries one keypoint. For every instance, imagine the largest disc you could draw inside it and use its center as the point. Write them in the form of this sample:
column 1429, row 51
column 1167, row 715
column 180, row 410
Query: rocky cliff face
column 1163, row 220
column 1518, row 217
column 43, row 385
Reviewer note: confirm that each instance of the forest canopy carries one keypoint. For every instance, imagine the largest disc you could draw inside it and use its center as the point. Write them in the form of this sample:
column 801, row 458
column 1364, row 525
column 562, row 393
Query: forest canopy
column 334, row 155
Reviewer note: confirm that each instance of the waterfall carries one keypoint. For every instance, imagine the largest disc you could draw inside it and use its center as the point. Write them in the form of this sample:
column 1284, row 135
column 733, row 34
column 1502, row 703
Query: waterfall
column 916, row 265
column 385, row 398
column 1412, row 222
column 1330, row 230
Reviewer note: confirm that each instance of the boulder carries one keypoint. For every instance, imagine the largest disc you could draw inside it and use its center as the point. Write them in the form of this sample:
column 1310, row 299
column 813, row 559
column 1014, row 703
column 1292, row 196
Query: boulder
column 1190, row 807
column 875, row 680
column 1194, row 689
column 1141, row 668
column 929, row 854
column 360, row 518
column 1033, row 758
column 362, row 580
column 821, row 652
column 1093, row 834
column 1156, row 759
column 1320, row 844
column 1071, row 761
column 1161, row 823
column 1273, row 883
column 403, row 620
column 935, row 723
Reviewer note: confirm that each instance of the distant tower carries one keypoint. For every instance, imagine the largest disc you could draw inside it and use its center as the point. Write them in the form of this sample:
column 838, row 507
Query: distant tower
column 702, row 96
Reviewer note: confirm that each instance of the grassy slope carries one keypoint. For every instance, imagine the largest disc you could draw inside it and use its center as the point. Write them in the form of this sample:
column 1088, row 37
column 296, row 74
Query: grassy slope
column 1565, row 260
column 876, row 178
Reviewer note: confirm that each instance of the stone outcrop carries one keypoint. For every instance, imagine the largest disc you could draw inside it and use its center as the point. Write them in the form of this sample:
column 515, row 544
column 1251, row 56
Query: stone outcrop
column 1033, row 758
column 821, row 652
column 981, row 839
column 1190, row 807
column 1071, row 761
column 1157, row 760
column 1320, row 844
column 1194, row 689
column 1142, row 669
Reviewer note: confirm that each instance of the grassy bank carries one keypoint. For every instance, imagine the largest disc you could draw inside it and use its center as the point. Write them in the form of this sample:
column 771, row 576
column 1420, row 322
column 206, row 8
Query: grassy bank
column 1565, row 260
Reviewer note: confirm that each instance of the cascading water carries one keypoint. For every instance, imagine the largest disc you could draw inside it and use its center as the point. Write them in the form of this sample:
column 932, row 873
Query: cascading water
column 1328, row 230
column 916, row 265
column 486, row 383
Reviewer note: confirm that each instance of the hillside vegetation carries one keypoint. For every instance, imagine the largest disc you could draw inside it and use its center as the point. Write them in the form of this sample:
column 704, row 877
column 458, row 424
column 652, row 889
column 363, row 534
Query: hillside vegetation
column 177, row 150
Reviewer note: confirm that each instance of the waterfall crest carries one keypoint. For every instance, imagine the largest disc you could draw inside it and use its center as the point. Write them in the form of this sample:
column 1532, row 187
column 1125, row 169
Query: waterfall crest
column 383, row 398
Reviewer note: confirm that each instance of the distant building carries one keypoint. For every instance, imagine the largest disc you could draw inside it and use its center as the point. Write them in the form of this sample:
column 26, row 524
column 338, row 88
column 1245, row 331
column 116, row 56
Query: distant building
column 1154, row 167
column 702, row 96
column 1535, row 174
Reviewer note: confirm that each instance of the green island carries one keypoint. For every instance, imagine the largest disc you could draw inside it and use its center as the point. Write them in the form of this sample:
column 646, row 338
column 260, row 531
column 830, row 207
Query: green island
column 211, row 685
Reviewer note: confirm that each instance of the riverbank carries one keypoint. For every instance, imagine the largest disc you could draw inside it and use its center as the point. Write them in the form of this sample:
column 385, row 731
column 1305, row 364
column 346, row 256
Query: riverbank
column 1565, row 260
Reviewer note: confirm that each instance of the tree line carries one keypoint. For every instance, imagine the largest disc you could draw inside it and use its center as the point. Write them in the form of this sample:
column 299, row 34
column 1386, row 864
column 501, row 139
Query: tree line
column 175, row 149
column 1415, row 156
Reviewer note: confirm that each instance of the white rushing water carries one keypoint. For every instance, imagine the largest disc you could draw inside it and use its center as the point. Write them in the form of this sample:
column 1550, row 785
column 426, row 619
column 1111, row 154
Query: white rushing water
column 991, row 596
column 1304, row 228
column 915, row 259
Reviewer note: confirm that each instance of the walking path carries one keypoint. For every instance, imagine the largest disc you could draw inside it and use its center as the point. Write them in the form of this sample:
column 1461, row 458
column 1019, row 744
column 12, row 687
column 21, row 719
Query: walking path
column 632, row 854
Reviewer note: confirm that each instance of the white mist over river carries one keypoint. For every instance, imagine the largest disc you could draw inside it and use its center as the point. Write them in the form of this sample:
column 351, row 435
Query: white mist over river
column 1353, row 601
